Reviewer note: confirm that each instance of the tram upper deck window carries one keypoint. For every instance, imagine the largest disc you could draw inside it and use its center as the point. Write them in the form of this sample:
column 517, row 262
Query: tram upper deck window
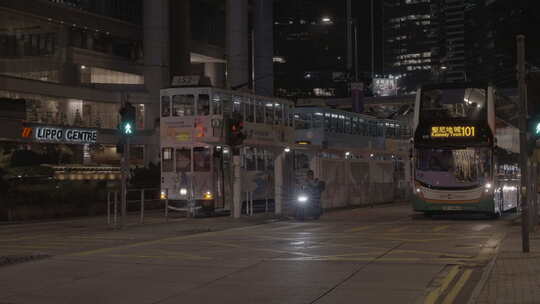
column 183, row 160
column 165, row 106
column 269, row 113
column 216, row 105
column 317, row 120
column 237, row 105
column 167, row 160
column 354, row 125
column 201, row 159
column 249, row 105
column 443, row 104
column 183, row 105
column 259, row 111
column 203, row 105
column 249, row 159
column 327, row 121
column 290, row 116
column 278, row 114
column 303, row 121
column 261, row 166
column 347, row 124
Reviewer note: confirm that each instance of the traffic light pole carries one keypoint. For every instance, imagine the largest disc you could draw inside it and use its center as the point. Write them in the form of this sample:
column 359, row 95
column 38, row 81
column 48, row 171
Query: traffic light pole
column 124, row 178
column 524, row 150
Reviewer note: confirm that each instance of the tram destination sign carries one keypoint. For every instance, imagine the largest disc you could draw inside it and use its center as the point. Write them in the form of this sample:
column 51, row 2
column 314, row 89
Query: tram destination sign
column 68, row 135
column 453, row 131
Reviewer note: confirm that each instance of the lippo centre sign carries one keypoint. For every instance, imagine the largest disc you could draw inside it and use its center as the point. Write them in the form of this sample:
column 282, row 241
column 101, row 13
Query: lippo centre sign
column 75, row 136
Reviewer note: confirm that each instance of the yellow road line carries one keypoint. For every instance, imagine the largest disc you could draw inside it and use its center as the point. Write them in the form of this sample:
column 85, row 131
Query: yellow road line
column 457, row 288
column 145, row 243
column 440, row 228
column 399, row 229
column 358, row 229
column 434, row 295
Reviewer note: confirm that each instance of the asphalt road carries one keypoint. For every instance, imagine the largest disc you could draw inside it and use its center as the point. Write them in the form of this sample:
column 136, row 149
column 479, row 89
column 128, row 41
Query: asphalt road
column 371, row 255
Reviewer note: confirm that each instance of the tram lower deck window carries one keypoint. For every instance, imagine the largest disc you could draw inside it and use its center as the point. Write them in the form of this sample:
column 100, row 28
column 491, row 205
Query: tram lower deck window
column 201, row 159
column 167, row 159
column 183, row 160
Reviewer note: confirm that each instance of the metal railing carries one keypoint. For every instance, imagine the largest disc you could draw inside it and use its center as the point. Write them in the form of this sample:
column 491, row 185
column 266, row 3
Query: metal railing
column 113, row 199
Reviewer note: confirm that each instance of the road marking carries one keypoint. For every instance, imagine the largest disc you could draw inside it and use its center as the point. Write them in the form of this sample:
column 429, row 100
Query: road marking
column 259, row 249
column 145, row 243
column 434, row 295
column 440, row 228
column 399, row 229
column 358, row 229
column 447, row 254
column 183, row 256
column 457, row 288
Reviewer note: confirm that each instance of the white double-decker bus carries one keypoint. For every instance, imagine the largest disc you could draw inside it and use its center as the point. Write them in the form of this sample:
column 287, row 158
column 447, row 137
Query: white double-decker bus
column 457, row 165
column 196, row 169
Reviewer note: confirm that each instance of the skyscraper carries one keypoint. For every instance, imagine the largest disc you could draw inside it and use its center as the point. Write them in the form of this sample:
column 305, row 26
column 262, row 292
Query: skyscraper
column 409, row 39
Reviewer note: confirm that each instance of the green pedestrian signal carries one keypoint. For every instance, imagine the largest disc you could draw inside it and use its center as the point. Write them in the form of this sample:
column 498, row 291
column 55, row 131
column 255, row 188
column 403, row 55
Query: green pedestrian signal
column 127, row 129
column 127, row 120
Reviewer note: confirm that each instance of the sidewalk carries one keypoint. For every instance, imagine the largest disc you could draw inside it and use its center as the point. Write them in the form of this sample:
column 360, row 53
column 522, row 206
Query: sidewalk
column 514, row 277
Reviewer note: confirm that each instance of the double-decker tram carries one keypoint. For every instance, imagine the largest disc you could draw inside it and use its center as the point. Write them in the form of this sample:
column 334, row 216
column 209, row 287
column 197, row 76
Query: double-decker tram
column 455, row 156
column 360, row 158
column 196, row 158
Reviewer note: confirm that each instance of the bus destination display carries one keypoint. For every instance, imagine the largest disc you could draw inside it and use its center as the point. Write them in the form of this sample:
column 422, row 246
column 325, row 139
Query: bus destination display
column 452, row 131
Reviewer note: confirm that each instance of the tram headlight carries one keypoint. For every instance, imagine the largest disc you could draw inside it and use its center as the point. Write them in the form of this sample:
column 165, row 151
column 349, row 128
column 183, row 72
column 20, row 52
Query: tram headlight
column 208, row 195
column 163, row 194
column 418, row 190
column 183, row 191
column 488, row 187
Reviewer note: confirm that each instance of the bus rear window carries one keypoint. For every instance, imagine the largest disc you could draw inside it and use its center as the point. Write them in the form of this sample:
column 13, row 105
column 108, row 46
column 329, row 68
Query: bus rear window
column 201, row 159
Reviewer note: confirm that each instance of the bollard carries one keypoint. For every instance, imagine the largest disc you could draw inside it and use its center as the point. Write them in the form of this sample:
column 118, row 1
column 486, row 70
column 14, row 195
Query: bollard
column 167, row 209
column 108, row 207
column 115, row 207
column 142, row 206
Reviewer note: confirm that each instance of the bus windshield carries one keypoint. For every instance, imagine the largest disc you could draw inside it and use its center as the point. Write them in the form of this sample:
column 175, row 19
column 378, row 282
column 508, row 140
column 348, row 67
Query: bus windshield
column 453, row 168
column 442, row 104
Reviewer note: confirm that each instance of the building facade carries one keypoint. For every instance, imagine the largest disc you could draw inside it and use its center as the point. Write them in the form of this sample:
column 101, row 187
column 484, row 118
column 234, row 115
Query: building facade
column 310, row 49
column 409, row 38
column 71, row 63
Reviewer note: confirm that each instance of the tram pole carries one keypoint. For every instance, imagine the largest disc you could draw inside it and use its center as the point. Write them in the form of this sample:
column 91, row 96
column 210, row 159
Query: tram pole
column 524, row 151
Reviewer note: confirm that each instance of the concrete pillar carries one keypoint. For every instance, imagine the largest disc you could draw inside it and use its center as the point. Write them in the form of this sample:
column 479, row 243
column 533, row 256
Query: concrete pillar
column 237, row 42
column 264, row 47
column 156, row 61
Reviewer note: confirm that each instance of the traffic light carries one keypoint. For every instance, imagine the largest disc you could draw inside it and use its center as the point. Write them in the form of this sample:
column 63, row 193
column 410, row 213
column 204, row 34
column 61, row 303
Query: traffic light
column 236, row 135
column 127, row 120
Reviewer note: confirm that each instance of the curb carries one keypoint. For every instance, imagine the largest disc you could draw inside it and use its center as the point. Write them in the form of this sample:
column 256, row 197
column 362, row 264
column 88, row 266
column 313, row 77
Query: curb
column 483, row 280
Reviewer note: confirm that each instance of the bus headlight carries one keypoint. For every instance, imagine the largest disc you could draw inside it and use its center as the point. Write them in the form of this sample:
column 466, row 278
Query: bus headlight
column 163, row 195
column 208, row 195
column 183, row 191
column 488, row 187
